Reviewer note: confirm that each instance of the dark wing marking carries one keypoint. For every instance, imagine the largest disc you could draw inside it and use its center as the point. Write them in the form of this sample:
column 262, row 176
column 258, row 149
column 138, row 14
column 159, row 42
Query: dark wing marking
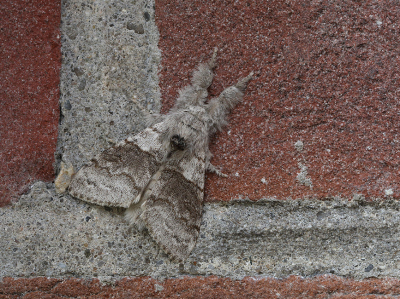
column 172, row 213
column 116, row 176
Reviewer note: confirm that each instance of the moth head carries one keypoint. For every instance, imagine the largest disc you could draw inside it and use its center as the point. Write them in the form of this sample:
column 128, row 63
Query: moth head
column 178, row 142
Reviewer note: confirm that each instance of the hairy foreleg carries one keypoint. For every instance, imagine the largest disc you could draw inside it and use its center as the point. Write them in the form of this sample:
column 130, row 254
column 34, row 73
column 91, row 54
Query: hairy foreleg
column 196, row 93
column 212, row 168
column 218, row 108
column 203, row 76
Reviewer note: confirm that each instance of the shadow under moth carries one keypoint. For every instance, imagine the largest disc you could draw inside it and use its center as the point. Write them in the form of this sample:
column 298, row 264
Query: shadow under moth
column 158, row 174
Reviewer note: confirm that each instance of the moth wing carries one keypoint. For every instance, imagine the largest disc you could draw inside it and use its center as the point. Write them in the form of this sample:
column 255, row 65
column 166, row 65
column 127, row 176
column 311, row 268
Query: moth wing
column 116, row 176
column 173, row 211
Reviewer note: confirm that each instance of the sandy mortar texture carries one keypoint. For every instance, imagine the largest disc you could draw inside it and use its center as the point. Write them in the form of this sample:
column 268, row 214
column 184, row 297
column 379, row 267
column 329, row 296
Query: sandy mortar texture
column 52, row 235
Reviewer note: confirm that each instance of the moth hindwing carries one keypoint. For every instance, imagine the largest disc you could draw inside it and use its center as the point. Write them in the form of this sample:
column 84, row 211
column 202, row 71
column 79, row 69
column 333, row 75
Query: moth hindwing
column 158, row 174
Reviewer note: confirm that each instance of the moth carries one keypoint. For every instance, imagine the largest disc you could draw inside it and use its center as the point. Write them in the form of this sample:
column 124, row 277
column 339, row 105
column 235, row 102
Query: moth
column 158, row 174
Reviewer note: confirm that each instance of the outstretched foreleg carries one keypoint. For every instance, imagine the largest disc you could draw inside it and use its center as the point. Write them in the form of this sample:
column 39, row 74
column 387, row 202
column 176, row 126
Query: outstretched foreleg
column 218, row 108
column 196, row 93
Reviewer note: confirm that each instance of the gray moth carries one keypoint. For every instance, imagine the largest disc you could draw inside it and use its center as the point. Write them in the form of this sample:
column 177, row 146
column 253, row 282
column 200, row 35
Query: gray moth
column 158, row 174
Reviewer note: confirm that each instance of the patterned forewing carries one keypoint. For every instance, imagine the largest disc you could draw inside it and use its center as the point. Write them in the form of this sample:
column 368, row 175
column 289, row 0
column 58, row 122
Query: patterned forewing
column 173, row 211
column 117, row 175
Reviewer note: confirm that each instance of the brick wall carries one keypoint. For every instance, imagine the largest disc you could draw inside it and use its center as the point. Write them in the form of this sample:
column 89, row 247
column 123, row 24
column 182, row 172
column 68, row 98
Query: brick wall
column 320, row 120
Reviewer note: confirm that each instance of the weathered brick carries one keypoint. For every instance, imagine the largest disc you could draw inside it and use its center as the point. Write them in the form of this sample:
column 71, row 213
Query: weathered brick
column 30, row 60
column 327, row 75
column 326, row 286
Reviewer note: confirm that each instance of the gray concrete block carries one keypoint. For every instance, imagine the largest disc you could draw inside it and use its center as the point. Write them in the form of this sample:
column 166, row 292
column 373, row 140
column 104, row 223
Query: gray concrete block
column 46, row 234
column 109, row 75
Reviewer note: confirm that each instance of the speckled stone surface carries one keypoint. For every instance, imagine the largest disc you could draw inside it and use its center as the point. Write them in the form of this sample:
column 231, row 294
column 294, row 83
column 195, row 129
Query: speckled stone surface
column 109, row 75
column 52, row 235
column 29, row 92
column 326, row 286
column 328, row 75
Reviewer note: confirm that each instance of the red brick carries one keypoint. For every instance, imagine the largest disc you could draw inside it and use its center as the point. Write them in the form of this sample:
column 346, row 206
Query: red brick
column 328, row 75
column 30, row 60
column 41, row 295
column 326, row 286
column 18, row 286
column 77, row 288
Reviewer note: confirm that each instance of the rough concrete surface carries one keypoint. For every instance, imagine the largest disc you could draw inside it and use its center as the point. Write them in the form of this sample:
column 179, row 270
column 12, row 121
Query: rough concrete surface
column 109, row 75
column 52, row 235
column 29, row 93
